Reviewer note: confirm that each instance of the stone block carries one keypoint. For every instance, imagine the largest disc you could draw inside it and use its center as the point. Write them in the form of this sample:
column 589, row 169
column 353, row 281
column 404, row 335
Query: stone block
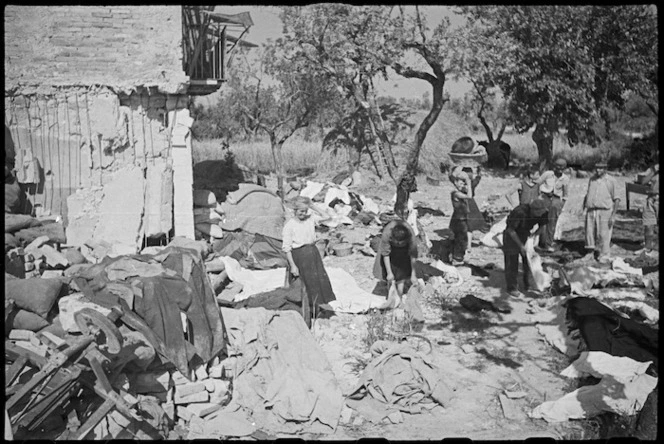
column 189, row 389
column 216, row 371
column 184, row 413
column 201, row 373
column 53, row 257
column 179, row 379
column 52, row 274
column 169, row 410
column 41, row 350
column 203, row 409
column 21, row 335
column 203, row 396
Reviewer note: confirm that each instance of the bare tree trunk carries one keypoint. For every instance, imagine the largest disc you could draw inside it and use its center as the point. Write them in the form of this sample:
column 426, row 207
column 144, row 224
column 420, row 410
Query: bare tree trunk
column 277, row 155
column 543, row 138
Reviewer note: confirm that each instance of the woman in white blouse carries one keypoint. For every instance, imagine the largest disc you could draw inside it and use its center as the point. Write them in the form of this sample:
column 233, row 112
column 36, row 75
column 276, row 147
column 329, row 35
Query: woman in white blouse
column 304, row 259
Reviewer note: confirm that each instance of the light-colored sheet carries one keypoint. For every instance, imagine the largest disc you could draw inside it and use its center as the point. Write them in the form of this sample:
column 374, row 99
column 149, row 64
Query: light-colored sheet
column 281, row 376
column 350, row 297
column 623, row 389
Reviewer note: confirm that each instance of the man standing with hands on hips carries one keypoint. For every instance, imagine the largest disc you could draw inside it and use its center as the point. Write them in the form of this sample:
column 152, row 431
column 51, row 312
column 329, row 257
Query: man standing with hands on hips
column 599, row 208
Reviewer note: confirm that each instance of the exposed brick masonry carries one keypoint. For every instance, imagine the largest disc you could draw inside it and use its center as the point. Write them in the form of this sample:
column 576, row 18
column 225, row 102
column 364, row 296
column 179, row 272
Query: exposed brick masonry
column 120, row 46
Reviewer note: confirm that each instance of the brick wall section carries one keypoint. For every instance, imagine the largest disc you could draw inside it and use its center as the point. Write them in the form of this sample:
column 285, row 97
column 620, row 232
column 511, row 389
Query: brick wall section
column 117, row 46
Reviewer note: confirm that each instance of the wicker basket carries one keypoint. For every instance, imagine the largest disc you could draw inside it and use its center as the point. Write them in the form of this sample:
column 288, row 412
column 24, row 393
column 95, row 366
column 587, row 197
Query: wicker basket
column 470, row 160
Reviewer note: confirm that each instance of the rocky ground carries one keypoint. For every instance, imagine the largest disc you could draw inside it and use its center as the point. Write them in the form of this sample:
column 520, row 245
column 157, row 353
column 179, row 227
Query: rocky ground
column 483, row 353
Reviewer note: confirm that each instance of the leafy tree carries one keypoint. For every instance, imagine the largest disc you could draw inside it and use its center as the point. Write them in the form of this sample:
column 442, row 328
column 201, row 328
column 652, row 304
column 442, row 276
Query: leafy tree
column 566, row 65
column 280, row 96
column 350, row 46
column 354, row 44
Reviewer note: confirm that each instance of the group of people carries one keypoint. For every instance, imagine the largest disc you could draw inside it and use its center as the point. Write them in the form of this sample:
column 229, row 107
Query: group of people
column 541, row 201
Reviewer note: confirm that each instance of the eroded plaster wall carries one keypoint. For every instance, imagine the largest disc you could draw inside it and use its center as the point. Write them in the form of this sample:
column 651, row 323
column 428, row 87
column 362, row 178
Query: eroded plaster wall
column 102, row 159
column 117, row 46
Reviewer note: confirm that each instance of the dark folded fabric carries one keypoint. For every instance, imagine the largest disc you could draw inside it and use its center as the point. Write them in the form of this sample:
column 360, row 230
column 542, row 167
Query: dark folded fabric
column 602, row 329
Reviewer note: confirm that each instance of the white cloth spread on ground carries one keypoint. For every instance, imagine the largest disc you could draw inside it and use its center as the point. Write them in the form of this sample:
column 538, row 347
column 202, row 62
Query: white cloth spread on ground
column 623, row 389
column 556, row 337
column 541, row 278
column 281, row 376
column 350, row 297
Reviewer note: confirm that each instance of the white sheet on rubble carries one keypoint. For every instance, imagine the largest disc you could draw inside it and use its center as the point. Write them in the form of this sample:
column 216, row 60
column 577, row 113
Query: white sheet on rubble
column 649, row 313
column 336, row 193
column 69, row 305
column 582, row 279
column 494, row 238
column 281, row 375
column 600, row 364
column 253, row 281
column 541, row 278
column 369, row 205
column 620, row 265
column 350, row 297
column 312, row 189
column 615, row 293
column 334, row 217
column 557, row 337
column 623, row 389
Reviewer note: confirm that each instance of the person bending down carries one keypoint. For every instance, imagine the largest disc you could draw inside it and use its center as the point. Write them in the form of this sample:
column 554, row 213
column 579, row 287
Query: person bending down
column 397, row 251
column 520, row 223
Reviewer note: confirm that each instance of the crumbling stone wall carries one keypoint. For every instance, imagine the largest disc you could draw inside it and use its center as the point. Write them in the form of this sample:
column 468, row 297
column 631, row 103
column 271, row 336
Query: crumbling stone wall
column 96, row 102
column 105, row 161
column 116, row 46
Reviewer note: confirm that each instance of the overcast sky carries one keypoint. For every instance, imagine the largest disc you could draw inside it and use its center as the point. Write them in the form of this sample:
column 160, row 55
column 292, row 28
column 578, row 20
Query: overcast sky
column 267, row 25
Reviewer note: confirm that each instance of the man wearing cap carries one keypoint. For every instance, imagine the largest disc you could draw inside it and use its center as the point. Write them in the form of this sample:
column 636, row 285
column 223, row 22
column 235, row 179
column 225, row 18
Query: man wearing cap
column 554, row 186
column 520, row 223
column 599, row 207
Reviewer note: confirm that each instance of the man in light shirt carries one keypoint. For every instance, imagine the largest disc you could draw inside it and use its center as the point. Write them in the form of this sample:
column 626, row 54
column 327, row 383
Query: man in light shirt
column 554, row 186
column 599, row 207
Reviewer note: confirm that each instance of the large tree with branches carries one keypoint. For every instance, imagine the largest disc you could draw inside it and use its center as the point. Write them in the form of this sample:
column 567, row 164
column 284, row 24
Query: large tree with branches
column 352, row 45
column 569, row 64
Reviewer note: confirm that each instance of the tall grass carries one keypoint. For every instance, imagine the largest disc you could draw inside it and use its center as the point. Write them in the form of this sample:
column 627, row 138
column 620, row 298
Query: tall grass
column 302, row 155
column 524, row 150
column 298, row 155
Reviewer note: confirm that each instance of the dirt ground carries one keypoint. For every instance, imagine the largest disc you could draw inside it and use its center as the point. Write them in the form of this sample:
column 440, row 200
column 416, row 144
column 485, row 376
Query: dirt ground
column 506, row 353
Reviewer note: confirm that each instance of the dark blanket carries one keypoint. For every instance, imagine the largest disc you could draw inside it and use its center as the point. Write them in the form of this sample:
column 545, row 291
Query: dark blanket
column 604, row 330
column 156, row 312
column 283, row 298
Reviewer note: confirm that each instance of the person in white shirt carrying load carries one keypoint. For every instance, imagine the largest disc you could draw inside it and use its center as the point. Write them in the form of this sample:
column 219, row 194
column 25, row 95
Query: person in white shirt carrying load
column 304, row 259
column 554, row 189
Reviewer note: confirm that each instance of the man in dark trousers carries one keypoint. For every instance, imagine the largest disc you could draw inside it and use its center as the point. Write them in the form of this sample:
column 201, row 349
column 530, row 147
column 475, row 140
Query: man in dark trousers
column 520, row 223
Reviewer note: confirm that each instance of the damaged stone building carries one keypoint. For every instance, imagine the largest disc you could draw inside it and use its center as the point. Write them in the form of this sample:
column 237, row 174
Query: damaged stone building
column 96, row 107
